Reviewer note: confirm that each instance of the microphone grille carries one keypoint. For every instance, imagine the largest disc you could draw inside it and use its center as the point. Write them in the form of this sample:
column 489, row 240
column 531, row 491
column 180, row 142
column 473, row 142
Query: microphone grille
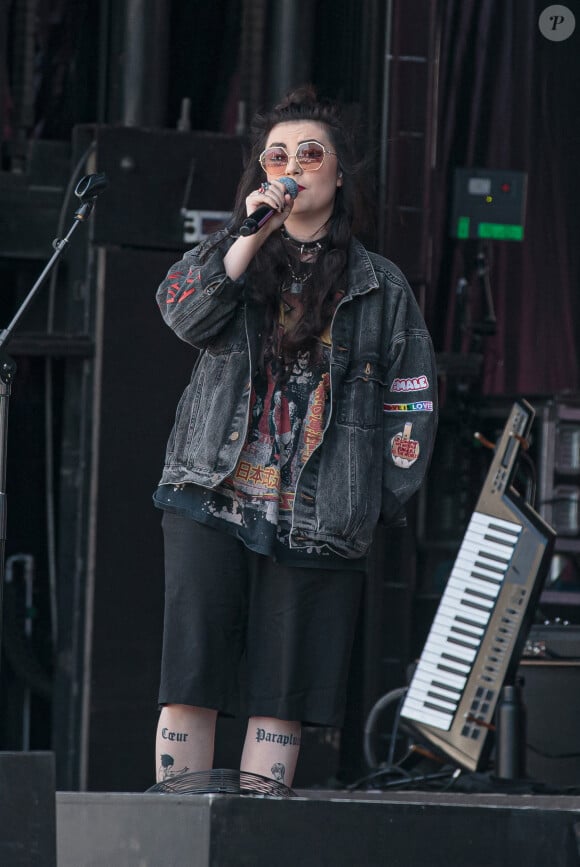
column 291, row 185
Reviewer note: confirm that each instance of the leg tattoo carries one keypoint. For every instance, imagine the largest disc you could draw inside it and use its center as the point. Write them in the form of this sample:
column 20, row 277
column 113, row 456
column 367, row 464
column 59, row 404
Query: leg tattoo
column 278, row 771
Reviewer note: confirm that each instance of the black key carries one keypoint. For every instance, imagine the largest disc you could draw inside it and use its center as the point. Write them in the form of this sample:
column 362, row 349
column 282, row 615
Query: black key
column 515, row 533
column 437, row 707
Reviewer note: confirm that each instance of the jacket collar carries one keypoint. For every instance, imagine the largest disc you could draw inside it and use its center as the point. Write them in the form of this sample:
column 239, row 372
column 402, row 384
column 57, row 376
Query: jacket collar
column 361, row 273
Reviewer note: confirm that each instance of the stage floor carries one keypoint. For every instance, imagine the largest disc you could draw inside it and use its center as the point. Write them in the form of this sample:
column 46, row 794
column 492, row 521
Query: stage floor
column 318, row 828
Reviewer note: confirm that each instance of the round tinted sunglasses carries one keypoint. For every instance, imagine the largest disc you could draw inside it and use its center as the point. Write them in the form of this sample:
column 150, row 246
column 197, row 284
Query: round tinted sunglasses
column 309, row 156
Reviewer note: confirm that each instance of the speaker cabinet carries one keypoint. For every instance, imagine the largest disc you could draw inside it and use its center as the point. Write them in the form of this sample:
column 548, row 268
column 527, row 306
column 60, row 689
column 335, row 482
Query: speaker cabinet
column 120, row 402
column 551, row 695
column 111, row 547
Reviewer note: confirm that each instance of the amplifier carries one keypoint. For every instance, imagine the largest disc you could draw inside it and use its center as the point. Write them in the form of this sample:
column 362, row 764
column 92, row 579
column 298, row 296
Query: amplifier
column 551, row 696
column 550, row 669
column 558, row 640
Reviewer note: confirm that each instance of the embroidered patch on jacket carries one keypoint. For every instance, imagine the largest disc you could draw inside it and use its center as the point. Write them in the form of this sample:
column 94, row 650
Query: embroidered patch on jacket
column 181, row 288
column 404, row 450
column 410, row 383
column 419, row 406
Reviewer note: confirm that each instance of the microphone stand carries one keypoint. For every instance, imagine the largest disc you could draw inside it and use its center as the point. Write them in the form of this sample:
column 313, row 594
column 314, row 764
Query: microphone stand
column 87, row 190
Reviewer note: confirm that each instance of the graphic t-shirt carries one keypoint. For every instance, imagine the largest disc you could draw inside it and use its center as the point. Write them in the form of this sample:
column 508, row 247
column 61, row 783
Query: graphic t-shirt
column 287, row 420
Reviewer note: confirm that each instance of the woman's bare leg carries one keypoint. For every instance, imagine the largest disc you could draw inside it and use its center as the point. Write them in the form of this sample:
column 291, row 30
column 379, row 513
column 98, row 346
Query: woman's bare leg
column 271, row 748
column 185, row 740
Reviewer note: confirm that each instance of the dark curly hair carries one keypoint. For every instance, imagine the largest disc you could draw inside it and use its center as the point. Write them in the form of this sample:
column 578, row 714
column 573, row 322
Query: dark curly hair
column 269, row 267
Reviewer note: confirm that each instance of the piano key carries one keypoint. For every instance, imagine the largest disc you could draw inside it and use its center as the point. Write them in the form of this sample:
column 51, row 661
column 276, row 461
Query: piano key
column 456, row 637
column 475, row 531
column 490, row 569
column 450, row 650
column 417, row 711
column 461, row 583
column 474, row 540
column 479, row 594
column 453, row 624
column 505, row 537
column 480, row 518
column 462, row 637
column 426, row 701
column 482, row 532
column 486, row 579
column 468, row 569
column 430, row 716
column 454, row 592
column 423, row 692
column 452, row 606
column 456, row 655
column 483, row 544
column 450, row 615
column 467, row 621
column 475, row 549
column 468, row 565
column 497, row 527
column 461, row 580
column 427, row 681
column 493, row 558
column 438, row 684
column 432, row 670
column 442, row 642
column 476, row 556
column 432, row 667
column 499, row 539
column 458, row 668
column 469, row 632
column 451, row 666
column 443, row 699
column 474, row 606
column 462, row 619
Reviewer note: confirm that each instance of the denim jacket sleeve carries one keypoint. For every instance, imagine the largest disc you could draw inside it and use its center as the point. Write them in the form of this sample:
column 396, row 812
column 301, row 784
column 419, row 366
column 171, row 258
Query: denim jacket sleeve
column 410, row 410
column 197, row 299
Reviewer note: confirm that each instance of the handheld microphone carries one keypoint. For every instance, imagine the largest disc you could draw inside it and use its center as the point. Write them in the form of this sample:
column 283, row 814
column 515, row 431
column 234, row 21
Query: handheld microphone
column 262, row 214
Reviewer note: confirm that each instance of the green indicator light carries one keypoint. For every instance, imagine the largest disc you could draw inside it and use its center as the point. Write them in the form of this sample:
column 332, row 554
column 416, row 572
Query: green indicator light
column 463, row 227
column 500, row 231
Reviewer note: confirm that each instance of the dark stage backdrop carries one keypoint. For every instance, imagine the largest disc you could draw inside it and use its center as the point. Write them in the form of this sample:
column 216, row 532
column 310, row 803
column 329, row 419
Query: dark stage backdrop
column 508, row 99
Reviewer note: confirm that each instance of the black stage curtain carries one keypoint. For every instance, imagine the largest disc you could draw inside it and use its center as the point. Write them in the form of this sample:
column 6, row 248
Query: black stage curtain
column 508, row 99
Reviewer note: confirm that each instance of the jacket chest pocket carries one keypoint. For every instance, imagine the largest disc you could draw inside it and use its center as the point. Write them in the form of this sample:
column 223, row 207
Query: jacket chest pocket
column 360, row 402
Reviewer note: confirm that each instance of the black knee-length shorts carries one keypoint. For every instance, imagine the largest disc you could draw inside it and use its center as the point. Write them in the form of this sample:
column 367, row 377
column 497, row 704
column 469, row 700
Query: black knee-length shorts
column 245, row 634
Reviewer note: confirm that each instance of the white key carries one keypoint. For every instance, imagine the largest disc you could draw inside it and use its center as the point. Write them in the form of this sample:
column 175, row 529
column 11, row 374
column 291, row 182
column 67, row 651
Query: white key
column 481, row 519
column 460, row 579
column 488, row 545
column 421, row 692
column 444, row 619
column 435, row 657
column 425, row 680
column 429, row 669
column 426, row 716
column 455, row 593
column 453, row 608
column 449, row 634
column 478, row 566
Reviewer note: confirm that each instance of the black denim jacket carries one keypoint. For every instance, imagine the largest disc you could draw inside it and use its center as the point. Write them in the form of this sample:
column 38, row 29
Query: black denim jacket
column 380, row 432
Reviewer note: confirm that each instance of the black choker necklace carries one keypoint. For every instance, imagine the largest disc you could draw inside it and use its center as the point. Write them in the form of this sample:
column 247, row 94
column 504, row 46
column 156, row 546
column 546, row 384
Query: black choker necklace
column 303, row 246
